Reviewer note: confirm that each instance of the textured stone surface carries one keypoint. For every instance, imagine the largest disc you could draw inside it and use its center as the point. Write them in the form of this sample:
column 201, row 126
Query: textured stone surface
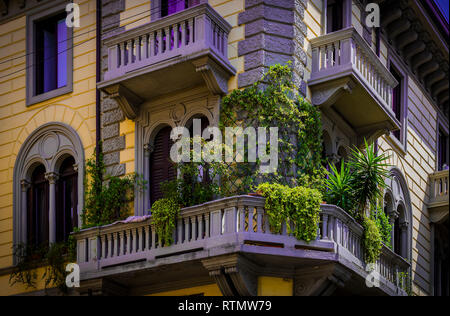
column 274, row 33
column 111, row 115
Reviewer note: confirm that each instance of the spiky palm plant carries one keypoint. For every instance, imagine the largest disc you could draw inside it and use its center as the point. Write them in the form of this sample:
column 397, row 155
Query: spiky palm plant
column 339, row 189
column 369, row 172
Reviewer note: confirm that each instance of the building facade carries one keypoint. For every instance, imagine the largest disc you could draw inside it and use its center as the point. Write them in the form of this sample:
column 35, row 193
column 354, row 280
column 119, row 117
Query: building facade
column 150, row 66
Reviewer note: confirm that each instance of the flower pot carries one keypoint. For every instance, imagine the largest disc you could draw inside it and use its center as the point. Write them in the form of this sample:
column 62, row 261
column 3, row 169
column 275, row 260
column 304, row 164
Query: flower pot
column 255, row 194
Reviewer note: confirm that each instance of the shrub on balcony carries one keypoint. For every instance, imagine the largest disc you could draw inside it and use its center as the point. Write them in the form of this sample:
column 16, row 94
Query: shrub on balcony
column 382, row 222
column 298, row 207
column 372, row 241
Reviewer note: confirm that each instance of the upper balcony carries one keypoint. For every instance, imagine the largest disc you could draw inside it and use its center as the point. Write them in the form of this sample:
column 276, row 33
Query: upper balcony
column 229, row 241
column 176, row 52
column 438, row 201
column 351, row 84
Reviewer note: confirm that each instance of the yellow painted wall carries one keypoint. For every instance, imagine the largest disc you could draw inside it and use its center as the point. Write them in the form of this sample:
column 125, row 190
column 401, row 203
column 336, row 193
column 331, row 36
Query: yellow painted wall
column 206, row 290
column 17, row 121
column 269, row 286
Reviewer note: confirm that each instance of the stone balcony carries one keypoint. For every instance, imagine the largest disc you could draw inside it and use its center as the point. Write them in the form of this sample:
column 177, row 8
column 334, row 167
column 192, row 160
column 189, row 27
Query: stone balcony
column 177, row 52
column 438, row 200
column 229, row 242
column 351, row 84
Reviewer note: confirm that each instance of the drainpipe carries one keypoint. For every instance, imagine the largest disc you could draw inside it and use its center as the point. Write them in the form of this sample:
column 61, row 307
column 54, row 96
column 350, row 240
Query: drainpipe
column 98, row 78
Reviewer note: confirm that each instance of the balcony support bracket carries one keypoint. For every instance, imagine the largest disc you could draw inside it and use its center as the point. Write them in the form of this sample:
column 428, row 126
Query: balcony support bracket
column 128, row 101
column 320, row 281
column 325, row 95
column 235, row 275
column 216, row 79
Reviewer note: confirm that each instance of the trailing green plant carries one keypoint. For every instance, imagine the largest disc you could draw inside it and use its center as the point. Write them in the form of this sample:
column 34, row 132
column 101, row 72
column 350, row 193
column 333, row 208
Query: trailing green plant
column 164, row 217
column 404, row 282
column 339, row 187
column 369, row 171
column 52, row 258
column 372, row 241
column 298, row 207
column 107, row 198
column 383, row 224
column 274, row 101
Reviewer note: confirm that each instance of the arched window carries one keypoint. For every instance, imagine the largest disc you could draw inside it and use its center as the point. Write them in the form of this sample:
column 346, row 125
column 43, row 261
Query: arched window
column 48, row 180
column 66, row 199
column 161, row 167
column 398, row 207
column 38, row 203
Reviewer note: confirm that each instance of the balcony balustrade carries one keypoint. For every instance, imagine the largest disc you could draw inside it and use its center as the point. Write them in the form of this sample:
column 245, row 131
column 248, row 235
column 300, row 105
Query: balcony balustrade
column 232, row 225
column 179, row 51
column 438, row 200
column 348, row 79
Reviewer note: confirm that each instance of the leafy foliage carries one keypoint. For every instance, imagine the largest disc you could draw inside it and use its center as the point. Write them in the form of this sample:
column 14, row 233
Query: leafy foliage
column 382, row 222
column 274, row 101
column 164, row 216
column 106, row 201
column 372, row 241
column 369, row 171
column 52, row 258
column 298, row 206
column 339, row 187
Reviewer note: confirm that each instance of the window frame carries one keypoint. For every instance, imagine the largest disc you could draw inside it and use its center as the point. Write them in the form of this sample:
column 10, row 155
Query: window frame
column 32, row 20
column 401, row 144
column 441, row 126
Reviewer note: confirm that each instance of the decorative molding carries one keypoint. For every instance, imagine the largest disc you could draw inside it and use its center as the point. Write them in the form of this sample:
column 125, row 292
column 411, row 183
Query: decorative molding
column 128, row 101
column 234, row 275
column 215, row 78
column 68, row 143
column 326, row 94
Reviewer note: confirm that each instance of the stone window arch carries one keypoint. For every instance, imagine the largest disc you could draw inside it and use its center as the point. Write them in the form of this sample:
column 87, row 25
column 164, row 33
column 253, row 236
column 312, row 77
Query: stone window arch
column 46, row 149
column 398, row 208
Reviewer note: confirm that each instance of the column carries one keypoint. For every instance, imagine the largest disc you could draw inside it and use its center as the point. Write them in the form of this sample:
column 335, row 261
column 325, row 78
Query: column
column 25, row 185
column 52, row 178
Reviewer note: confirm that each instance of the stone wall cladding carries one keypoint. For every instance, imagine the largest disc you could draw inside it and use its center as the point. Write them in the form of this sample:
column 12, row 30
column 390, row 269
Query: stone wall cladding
column 274, row 33
column 111, row 114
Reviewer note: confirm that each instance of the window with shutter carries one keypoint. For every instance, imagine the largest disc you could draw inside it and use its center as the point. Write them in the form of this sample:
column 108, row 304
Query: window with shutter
column 66, row 200
column 38, row 219
column 161, row 167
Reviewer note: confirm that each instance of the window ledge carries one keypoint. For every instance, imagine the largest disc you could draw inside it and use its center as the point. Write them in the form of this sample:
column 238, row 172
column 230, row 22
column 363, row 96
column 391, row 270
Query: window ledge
column 31, row 100
column 397, row 145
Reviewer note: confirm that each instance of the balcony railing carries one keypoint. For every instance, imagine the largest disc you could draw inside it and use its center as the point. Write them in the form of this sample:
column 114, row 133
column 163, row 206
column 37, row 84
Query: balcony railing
column 439, row 188
column 232, row 223
column 347, row 75
column 188, row 32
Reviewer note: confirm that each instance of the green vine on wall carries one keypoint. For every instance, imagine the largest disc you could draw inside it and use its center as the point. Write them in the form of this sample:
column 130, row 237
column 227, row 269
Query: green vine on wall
column 107, row 198
column 274, row 101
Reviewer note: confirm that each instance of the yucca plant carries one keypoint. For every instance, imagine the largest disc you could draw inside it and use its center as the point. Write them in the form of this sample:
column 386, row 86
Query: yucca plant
column 339, row 190
column 369, row 172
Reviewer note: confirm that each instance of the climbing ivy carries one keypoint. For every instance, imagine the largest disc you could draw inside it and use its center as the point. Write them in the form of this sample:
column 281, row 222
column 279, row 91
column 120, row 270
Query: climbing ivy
column 107, row 198
column 297, row 206
column 274, row 101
